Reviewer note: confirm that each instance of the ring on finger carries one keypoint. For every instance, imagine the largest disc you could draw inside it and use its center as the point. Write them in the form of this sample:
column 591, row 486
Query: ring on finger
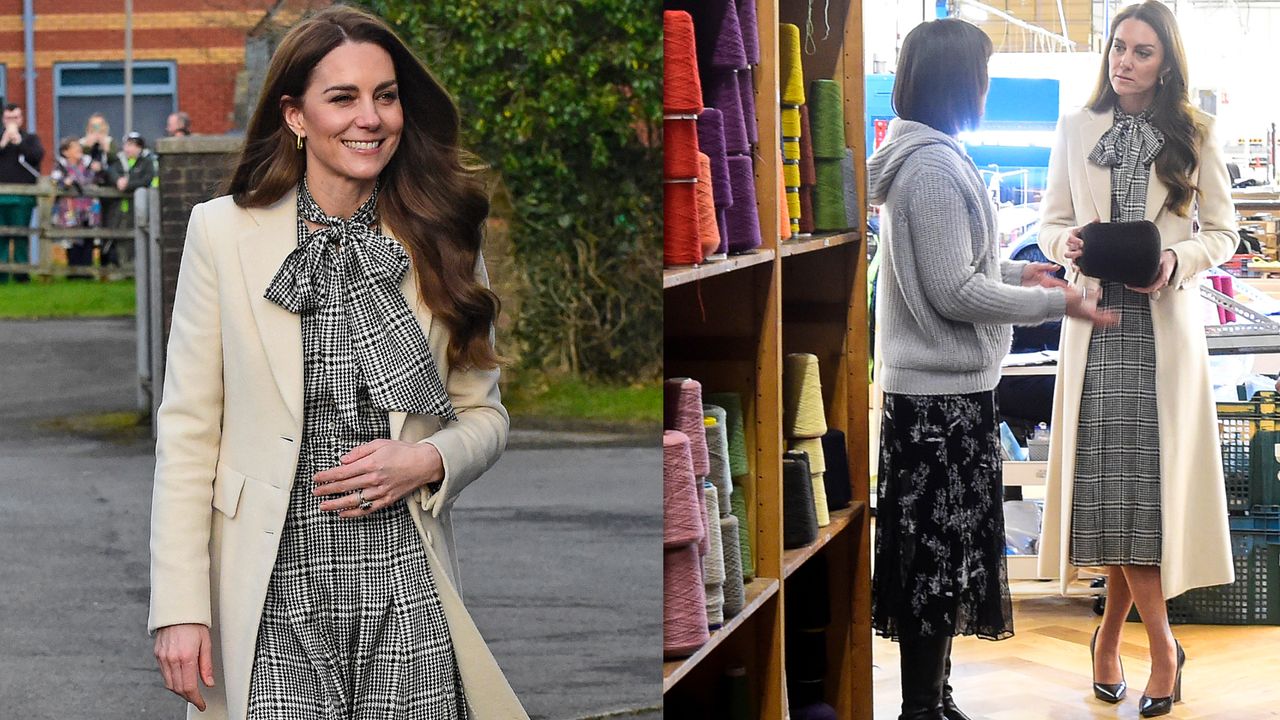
column 364, row 503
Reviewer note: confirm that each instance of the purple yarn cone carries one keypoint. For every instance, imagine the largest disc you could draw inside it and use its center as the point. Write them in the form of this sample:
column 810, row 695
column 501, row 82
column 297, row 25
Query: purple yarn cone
column 711, row 142
column 718, row 31
column 750, row 29
column 744, row 223
column 748, row 93
column 723, row 224
column 720, row 91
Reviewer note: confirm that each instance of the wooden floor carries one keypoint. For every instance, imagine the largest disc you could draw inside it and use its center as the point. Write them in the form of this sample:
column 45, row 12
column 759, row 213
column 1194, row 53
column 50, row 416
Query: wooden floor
column 1043, row 672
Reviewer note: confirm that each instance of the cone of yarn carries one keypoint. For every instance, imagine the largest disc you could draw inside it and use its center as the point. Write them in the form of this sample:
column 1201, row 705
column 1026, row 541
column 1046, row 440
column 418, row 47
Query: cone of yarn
column 814, row 711
column 802, row 410
column 851, row 219
column 684, row 602
column 793, row 206
column 743, row 220
column 720, row 39
column 682, row 410
column 808, row 173
column 681, row 240
column 806, row 654
column 809, row 604
column 827, row 118
column 718, row 454
column 784, row 214
column 806, row 208
column 836, row 478
column 829, row 196
column 737, row 694
column 711, row 142
column 732, row 404
column 791, row 151
column 681, row 88
column 722, row 222
column 813, row 448
column 713, row 561
column 708, row 230
column 735, row 595
column 791, row 128
column 750, row 28
column 791, row 72
column 681, row 521
column 791, row 173
column 679, row 149
column 799, row 520
column 738, row 505
column 747, row 90
column 720, row 90
column 820, row 510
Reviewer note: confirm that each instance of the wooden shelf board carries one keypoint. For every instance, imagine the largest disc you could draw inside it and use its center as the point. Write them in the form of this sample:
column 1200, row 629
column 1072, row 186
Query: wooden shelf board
column 675, row 276
column 840, row 519
column 758, row 591
column 797, row 246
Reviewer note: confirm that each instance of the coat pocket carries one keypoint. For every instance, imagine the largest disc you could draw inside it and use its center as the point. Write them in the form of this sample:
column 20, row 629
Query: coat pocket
column 227, row 487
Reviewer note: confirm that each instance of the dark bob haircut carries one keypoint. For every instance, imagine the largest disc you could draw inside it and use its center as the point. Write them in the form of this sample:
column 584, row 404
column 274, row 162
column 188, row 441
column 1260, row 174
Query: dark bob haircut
column 942, row 75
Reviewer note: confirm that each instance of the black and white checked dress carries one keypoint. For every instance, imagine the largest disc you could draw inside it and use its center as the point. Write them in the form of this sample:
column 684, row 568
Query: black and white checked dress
column 352, row 627
column 1115, row 507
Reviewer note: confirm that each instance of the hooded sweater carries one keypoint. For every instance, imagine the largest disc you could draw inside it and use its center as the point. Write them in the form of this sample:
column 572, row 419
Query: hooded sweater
column 945, row 303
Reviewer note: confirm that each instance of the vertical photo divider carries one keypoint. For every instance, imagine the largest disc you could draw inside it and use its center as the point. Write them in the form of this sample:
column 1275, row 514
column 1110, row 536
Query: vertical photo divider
column 851, row 71
column 769, row 363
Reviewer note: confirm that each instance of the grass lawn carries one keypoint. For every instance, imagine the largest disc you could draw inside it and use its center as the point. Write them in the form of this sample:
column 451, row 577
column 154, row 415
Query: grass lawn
column 534, row 396
column 61, row 298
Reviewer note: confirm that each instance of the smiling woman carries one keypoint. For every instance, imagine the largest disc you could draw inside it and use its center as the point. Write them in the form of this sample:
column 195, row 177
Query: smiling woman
column 323, row 405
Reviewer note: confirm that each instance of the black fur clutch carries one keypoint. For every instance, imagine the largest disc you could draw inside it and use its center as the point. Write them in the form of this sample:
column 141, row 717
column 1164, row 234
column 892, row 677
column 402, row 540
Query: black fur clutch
column 1124, row 252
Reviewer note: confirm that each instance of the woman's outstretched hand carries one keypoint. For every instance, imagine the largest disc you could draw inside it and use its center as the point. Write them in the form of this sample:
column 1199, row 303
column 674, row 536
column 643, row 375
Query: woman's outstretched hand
column 1083, row 304
column 380, row 473
column 1038, row 274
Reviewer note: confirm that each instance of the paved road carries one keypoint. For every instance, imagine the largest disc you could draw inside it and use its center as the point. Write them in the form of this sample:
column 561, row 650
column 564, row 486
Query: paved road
column 558, row 547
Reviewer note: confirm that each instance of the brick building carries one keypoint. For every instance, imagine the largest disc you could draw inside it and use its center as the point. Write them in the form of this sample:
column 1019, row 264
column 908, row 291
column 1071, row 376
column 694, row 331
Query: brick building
column 189, row 55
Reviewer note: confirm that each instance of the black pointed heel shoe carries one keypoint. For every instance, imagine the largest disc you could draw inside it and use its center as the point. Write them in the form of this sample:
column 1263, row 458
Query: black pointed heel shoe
column 1107, row 692
column 1151, row 707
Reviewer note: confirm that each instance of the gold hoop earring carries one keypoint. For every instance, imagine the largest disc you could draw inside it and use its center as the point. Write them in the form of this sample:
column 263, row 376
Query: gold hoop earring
column 299, row 143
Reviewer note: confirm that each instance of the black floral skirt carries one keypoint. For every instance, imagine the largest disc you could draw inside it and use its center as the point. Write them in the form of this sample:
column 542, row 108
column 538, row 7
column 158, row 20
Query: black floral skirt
column 940, row 541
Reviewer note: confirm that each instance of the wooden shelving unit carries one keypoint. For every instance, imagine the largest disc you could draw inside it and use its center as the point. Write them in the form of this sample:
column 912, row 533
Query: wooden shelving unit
column 673, row 276
column 728, row 325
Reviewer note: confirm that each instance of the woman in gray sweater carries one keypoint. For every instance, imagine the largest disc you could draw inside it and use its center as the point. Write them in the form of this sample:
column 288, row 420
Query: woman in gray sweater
column 946, row 306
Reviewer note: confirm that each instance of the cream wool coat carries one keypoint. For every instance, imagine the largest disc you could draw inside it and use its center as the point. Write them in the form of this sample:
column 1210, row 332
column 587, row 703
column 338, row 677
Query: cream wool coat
column 230, row 428
column 1195, row 542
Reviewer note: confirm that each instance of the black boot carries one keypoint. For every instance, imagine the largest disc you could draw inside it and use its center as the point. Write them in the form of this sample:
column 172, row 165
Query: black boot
column 949, row 709
column 923, row 675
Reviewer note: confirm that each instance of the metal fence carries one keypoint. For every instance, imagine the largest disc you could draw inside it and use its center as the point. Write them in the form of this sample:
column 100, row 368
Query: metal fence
column 46, row 234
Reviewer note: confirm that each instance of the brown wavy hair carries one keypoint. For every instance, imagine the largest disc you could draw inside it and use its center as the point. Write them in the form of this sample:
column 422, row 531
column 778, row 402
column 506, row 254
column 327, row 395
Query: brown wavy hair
column 433, row 201
column 1171, row 111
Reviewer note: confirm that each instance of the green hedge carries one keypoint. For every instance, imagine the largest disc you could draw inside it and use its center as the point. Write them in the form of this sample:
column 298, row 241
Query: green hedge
column 564, row 100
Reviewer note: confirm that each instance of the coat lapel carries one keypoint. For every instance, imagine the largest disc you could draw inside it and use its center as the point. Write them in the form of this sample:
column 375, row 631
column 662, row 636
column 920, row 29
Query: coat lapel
column 1099, row 178
column 262, row 251
column 1157, row 193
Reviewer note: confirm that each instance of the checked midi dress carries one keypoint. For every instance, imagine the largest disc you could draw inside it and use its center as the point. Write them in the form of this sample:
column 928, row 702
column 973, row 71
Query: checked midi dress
column 352, row 627
column 1115, row 507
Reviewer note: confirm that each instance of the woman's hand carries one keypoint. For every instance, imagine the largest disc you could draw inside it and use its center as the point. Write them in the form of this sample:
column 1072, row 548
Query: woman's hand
column 1075, row 244
column 1083, row 304
column 1168, row 261
column 1038, row 274
column 381, row 472
column 184, row 653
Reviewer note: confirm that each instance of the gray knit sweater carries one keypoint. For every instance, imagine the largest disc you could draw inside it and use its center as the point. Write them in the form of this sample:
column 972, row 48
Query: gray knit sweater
column 944, row 300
